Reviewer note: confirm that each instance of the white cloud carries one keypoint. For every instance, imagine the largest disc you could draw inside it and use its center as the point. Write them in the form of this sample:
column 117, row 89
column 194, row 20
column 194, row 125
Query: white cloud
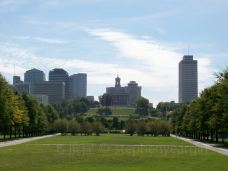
column 42, row 39
column 24, row 59
column 155, row 64
column 160, row 60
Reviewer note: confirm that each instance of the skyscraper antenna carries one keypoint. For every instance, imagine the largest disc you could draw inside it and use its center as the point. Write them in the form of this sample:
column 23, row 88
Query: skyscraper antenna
column 188, row 48
column 14, row 70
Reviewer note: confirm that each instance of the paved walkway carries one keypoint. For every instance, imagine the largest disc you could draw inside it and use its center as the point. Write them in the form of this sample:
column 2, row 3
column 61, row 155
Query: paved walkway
column 203, row 145
column 23, row 140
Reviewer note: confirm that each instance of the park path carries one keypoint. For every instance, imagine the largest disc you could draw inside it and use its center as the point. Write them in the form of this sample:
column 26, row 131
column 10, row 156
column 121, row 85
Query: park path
column 203, row 145
column 24, row 140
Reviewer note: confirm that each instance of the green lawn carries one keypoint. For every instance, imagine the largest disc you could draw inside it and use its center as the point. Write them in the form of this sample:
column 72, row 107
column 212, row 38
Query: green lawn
column 111, row 139
column 109, row 152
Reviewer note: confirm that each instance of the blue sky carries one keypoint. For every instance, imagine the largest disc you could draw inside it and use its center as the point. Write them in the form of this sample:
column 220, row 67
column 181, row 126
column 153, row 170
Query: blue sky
column 141, row 40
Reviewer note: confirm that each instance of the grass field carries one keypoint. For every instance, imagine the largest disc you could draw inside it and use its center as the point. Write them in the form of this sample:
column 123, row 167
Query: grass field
column 109, row 152
column 122, row 113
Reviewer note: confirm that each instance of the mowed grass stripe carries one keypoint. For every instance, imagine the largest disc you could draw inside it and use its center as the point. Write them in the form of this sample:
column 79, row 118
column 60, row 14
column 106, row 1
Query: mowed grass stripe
column 114, row 145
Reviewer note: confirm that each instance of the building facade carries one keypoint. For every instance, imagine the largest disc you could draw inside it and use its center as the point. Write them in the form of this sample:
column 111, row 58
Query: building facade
column 41, row 98
column 134, row 92
column 17, row 80
column 53, row 89
column 22, row 87
column 124, row 96
column 188, row 79
column 34, row 75
column 60, row 75
column 78, row 85
column 90, row 99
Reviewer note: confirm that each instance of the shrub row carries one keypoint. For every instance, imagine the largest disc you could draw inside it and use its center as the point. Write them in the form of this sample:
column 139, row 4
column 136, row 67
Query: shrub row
column 152, row 127
column 65, row 126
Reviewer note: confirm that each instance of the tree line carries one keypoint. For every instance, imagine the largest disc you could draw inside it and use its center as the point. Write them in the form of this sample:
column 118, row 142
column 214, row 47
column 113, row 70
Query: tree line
column 89, row 127
column 73, row 127
column 21, row 114
column 148, row 127
column 73, row 108
column 205, row 118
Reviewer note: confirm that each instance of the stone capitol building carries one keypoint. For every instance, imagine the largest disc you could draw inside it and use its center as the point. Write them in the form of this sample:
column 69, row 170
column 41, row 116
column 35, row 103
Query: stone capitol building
column 124, row 96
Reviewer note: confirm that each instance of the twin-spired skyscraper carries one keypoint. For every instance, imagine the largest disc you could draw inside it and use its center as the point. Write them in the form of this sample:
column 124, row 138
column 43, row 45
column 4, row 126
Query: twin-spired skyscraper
column 188, row 79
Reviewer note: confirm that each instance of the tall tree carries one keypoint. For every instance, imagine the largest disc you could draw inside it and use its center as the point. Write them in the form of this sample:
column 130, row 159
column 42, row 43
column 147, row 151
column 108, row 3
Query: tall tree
column 207, row 116
column 52, row 114
column 4, row 106
column 142, row 106
column 105, row 99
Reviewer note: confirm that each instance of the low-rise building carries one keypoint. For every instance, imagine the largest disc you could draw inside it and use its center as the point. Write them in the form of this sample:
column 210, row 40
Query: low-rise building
column 90, row 98
column 41, row 98
column 22, row 87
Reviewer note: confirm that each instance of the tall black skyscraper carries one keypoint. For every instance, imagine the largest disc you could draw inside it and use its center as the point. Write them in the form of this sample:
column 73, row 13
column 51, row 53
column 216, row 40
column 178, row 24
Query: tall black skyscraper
column 188, row 79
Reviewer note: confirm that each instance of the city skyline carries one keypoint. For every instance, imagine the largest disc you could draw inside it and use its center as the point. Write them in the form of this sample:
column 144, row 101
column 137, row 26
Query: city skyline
column 58, row 87
column 139, row 40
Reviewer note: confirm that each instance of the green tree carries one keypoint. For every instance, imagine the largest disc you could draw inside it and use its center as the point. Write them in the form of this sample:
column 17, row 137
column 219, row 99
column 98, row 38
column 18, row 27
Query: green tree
column 97, row 128
column 18, row 113
column 105, row 99
column 73, row 127
column 5, row 106
column 52, row 114
column 153, row 128
column 130, row 127
column 142, row 128
column 104, row 111
column 86, row 128
column 164, row 128
column 42, row 122
column 206, row 116
column 60, row 126
column 142, row 106
column 115, row 123
column 153, row 112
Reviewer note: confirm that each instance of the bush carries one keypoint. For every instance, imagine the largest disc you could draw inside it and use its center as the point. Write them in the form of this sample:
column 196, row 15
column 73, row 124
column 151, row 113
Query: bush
column 130, row 127
column 153, row 128
column 149, row 127
column 60, row 125
column 105, row 111
column 73, row 127
column 141, row 128
column 165, row 128
column 97, row 128
column 86, row 128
